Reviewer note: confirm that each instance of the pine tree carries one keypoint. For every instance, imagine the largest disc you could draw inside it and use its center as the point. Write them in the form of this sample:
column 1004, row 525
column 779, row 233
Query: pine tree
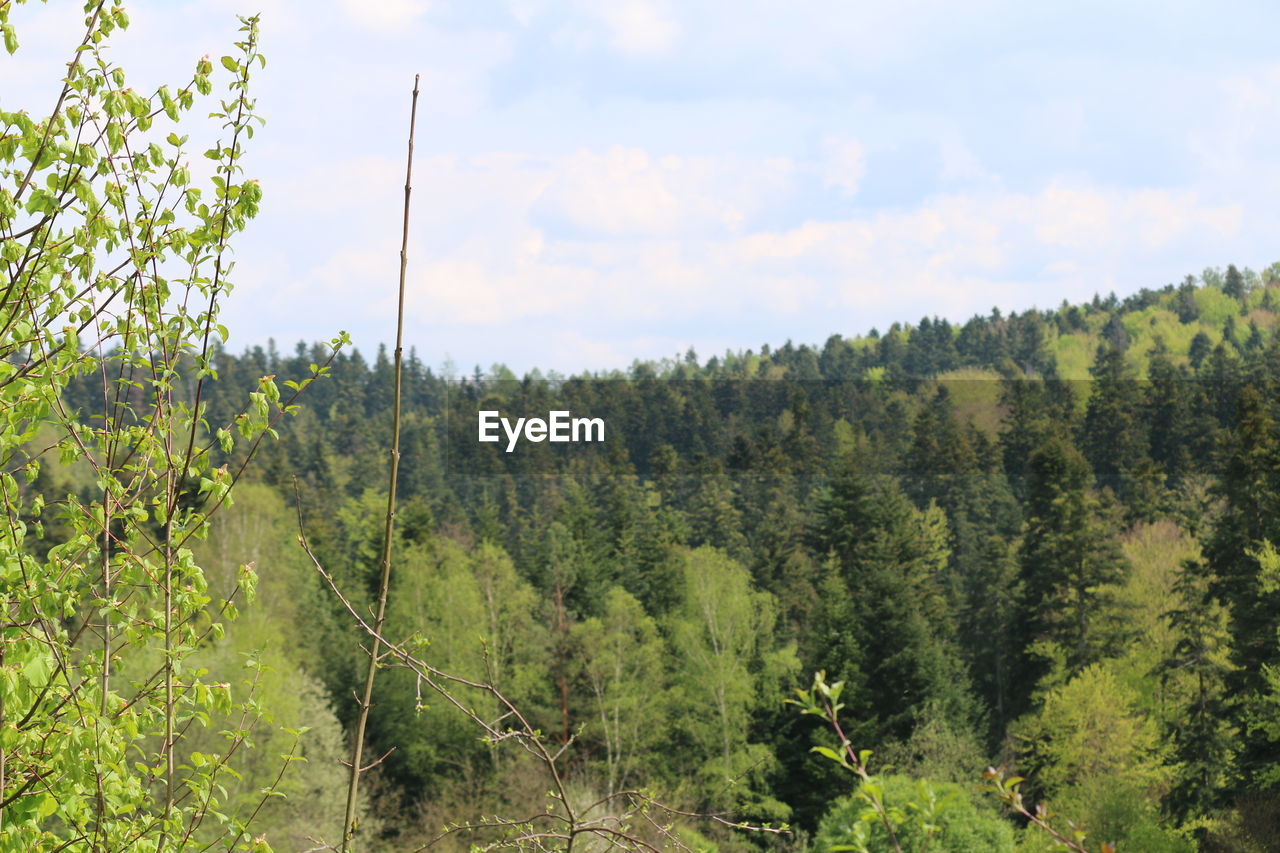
column 1186, row 306
column 1112, row 439
column 1201, row 346
column 1200, row 730
column 886, row 605
column 1068, row 558
column 992, row 592
column 1233, row 284
column 1034, row 410
column 1250, row 486
column 1115, row 335
column 1166, row 410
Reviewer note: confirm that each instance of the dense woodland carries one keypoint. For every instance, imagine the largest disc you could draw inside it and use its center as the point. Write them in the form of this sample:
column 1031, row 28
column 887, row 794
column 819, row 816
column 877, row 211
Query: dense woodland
column 1041, row 540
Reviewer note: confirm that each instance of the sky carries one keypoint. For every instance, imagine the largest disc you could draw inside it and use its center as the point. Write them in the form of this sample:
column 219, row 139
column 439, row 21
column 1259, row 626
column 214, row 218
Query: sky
column 597, row 181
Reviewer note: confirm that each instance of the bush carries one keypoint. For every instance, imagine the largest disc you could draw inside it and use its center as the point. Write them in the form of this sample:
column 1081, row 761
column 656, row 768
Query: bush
column 1110, row 809
column 962, row 825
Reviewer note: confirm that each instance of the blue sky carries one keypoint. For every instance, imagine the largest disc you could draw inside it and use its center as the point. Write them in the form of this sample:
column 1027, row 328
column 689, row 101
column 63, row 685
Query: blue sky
column 601, row 181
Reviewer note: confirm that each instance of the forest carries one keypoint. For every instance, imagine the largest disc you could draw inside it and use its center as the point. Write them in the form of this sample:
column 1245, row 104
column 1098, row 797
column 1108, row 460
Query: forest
column 1011, row 584
column 1042, row 541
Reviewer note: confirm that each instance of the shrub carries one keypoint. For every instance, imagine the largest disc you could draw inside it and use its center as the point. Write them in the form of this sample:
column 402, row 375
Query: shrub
column 944, row 813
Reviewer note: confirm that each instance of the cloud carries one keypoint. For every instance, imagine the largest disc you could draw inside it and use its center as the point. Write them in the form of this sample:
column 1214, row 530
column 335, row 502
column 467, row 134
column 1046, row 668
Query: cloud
column 523, row 258
column 626, row 192
column 960, row 164
column 844, row 164
column 638, row 28
column 384, row 16
column 1085, row 219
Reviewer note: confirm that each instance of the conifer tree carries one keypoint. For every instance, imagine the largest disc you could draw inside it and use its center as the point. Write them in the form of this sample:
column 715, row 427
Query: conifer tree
column 1250, row 486
column 1113, row 440
column 1167, row 415
column 1233, row 283
column 1068, row 558
column 887, row 604
column 1200, row 731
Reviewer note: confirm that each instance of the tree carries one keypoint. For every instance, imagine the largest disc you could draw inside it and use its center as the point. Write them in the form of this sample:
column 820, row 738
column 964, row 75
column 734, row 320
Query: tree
column 115, row 267
column 289, row 631
column 1250, row 486
column 1098, row 759
column 1068, row 558
column 730, row 664
column 954, row 823
column 987, row 625
column 714, row 519
column 1034, row 410
column 940, row 458
column 480, row 621
column 1114, row 335
column 1186, row 306
column 622, row 664
column 1201, row 346
column 1200, row 730
column 1112, row 440
column 1166, row 411
column 1233, row 283
column 883, row 622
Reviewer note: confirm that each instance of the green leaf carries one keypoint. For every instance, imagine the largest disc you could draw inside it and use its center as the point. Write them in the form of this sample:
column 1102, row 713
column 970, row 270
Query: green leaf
column 828, row 752
column 37, row 669
column 48, row 805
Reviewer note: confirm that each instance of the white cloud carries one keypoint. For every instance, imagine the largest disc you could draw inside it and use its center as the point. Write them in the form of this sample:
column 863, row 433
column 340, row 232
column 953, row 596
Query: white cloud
column 1236, row 137
column 844, row 164
column 636, row 27
column 385, row 16
column 626, row 192
column 1085, row 219
column 640, row 242
column 960, row 164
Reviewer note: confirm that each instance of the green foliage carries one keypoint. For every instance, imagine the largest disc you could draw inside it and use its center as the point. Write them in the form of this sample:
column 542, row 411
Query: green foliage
column 729, row 664
column 1215, row 306
column 1237, row 555
column 942, row 817
column 116, row 263
column 1099, row 759
column 1115, row 809
column 942, row 547
column 937, row 749
column 1087, row 728
column 891, row 512
column 1069, row 560
column 622, row 664
column 477, row 619
column 279, row 631
column 881, row 620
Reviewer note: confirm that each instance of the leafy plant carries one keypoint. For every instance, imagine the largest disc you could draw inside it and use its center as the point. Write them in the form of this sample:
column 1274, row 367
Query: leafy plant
column 912, row 823
column 115, row 266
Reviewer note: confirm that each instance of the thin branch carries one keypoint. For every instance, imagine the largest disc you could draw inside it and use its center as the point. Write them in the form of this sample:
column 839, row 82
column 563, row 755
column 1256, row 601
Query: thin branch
column 384, row 583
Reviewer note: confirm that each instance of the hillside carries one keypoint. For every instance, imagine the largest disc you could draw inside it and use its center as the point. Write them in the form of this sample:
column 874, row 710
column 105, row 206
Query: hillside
column 994, row 554
column 1030, row 540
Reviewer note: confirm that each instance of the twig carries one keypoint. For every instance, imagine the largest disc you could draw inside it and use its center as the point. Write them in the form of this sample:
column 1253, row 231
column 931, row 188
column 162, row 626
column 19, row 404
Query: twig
column 357, row 745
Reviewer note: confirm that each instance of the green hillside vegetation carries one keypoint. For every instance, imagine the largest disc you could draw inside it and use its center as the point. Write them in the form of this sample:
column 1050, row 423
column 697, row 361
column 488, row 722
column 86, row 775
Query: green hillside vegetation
column 1011, row 539
column 894, row 592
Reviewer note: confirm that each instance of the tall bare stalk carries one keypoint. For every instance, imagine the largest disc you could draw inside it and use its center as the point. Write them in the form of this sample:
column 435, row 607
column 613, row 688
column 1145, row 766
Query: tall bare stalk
column 366, row 700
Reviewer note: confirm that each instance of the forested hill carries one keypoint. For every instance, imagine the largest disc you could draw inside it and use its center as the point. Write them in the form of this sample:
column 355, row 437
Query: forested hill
column 991, row 377
column 1037, row 539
